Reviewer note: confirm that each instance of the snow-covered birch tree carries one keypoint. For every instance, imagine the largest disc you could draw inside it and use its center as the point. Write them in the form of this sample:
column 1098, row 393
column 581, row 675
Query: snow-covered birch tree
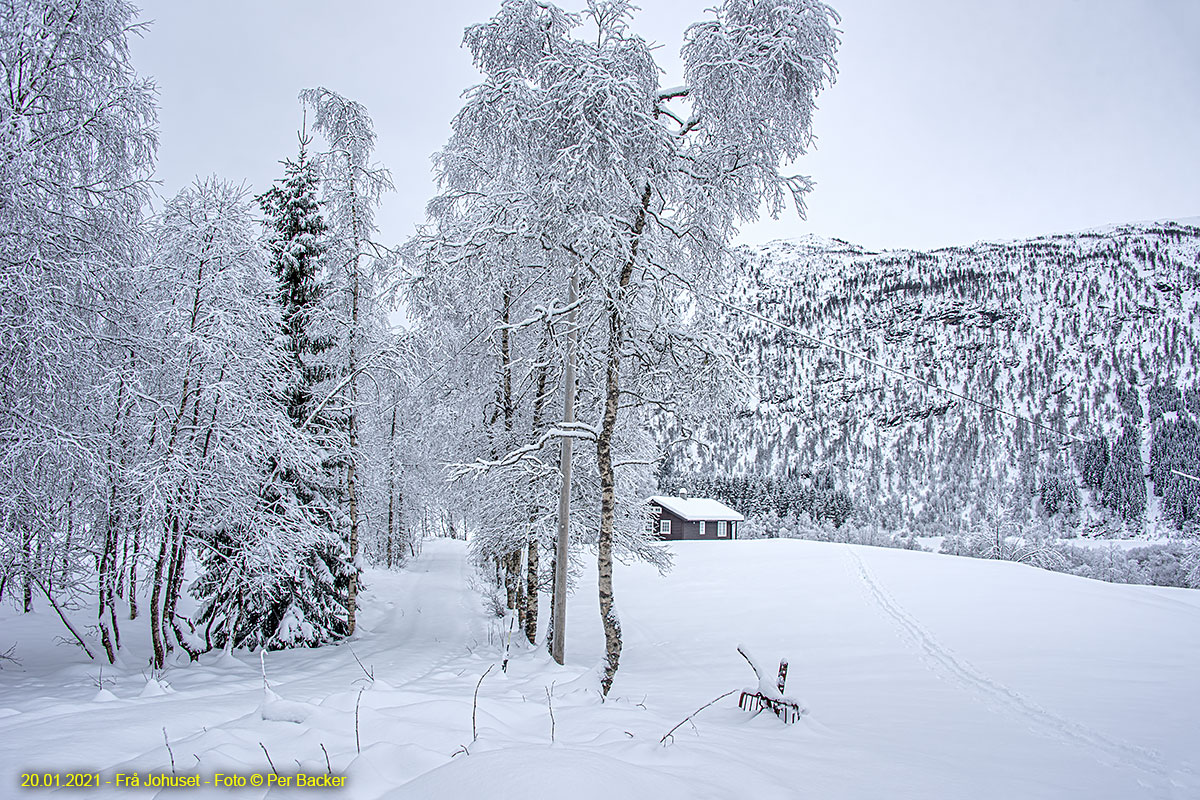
column 637, row 186
column 77, row 143
column 352, row 186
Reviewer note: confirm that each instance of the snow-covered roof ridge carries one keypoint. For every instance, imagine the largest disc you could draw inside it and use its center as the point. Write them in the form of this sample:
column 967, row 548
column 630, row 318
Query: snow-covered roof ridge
column 697, row 508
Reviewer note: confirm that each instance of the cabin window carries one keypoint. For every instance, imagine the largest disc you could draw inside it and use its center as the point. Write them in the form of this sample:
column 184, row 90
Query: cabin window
column 701, row 527
column 656, row 511
column 722, row 531
column 664, row 527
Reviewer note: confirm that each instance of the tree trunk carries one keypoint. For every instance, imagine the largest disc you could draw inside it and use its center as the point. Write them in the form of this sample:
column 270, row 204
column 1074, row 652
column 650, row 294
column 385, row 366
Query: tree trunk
column 171, row 522
column 608, row 482
column 391, row 523
column 174, row 587
column 133, row 564
column 551, row 637
column 27, row 560
column 39, row 556
column 160, row 653
column 512, row 569
column 123, row 567
column 182, row 532
column 352, row 492
column 108, row 574
column 104, row 593
column 531, row 589
column 352, row 423
column 110, row 632
column 608, row 503
column 66, row 559
column 532, row 584
column 174, row 582
column 137, row 539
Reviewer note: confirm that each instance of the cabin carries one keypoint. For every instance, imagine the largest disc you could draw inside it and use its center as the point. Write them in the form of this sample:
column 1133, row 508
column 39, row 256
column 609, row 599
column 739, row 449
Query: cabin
column 686, row 517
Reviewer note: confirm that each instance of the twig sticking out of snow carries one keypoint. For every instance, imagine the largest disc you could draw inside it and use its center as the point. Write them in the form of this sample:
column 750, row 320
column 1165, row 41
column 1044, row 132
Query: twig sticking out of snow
column 269, row 761
column 475, row 703
column 667, row 735
column 357, row 745
column 370, row 674
column 167, row 742
column 550, row 705
column 328, row 766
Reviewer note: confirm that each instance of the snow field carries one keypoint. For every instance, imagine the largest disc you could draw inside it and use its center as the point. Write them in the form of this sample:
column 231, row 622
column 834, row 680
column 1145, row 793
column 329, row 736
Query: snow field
column 924, row 675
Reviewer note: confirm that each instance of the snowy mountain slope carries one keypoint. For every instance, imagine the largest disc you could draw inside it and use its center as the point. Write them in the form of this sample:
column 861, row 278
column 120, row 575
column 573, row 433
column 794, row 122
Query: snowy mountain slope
column 1071, row 331
column 924, row 676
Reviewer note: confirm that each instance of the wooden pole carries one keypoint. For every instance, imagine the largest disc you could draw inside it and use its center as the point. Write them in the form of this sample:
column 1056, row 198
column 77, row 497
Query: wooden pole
column 558, row 645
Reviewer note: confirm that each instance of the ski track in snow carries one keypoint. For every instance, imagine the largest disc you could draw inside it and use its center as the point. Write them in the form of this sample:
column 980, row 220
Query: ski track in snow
column 997, row 695
column 415, row 642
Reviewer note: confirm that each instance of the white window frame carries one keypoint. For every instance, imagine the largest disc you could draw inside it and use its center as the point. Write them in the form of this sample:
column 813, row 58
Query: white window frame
column 701, row 527
column 722, row 529
column 664, row 527
column 656, row 511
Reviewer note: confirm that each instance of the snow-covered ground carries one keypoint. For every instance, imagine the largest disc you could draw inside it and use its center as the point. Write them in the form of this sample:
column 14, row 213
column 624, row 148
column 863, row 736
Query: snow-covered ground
column 925, row 676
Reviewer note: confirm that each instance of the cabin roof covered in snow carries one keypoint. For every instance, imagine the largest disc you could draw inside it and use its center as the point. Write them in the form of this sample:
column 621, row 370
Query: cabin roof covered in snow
column 697, row 508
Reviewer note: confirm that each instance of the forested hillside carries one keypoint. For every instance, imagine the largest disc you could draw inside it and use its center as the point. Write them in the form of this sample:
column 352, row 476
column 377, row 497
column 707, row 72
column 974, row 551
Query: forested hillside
column 1093, row 334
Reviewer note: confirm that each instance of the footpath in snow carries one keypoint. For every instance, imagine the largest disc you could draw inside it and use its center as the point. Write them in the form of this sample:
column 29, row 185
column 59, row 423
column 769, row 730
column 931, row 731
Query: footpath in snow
column 925, row 676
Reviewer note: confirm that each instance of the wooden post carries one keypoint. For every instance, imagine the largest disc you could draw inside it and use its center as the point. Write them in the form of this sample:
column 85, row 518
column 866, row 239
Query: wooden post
column 558, row 646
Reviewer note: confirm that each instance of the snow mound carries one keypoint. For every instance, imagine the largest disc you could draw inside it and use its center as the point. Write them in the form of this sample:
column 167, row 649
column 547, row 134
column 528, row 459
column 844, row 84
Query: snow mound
column 276, row 709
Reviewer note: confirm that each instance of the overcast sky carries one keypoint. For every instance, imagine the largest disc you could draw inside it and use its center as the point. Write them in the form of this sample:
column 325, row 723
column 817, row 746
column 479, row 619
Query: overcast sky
column 952, row 121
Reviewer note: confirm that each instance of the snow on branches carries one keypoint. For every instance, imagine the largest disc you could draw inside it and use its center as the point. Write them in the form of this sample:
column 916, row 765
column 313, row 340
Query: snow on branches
column 569, row 159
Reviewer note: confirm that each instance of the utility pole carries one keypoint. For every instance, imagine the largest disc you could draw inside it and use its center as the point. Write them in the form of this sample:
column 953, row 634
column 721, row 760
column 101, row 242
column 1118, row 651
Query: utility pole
column 559, row 621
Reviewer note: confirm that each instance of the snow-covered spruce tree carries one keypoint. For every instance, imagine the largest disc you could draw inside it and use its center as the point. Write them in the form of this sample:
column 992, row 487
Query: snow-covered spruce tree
column 308, row 606
column 219, row 438
column 296, row 233
column 351, row 188
column 76, row 149
column 636, row 188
